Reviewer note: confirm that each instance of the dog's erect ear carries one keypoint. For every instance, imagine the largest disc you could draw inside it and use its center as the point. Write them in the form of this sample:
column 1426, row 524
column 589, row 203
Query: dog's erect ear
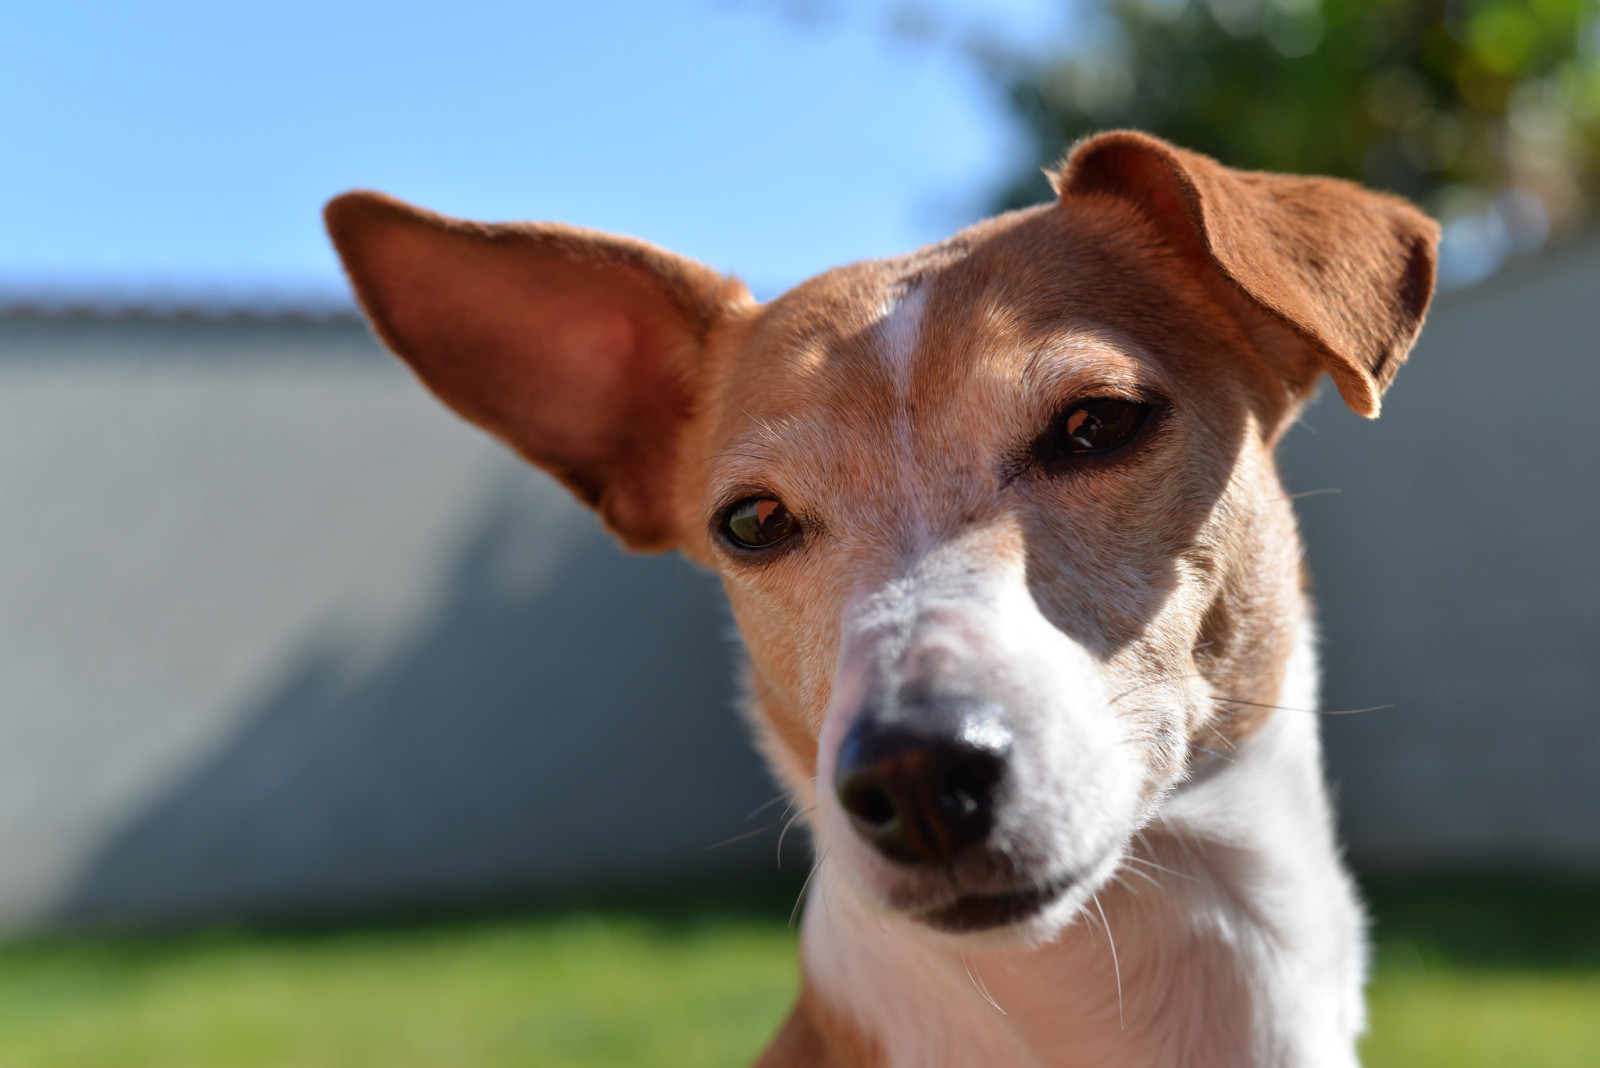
column 1343, row 274
column 579, row 350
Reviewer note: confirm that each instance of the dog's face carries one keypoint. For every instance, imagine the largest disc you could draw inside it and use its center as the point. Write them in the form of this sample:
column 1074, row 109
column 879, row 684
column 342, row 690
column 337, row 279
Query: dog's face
column 998, row 520
column 1001, row 483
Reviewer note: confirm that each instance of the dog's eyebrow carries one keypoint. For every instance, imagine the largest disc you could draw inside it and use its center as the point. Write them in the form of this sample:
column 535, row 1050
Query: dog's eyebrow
column 1046, row 360
column 1031, row 370
column 756, row 445
column 767, row 430
column 1082, row 359
column 753, row 449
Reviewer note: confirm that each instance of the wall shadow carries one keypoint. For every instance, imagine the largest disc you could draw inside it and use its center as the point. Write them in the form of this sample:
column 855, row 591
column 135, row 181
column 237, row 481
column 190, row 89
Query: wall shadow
column 574, row 730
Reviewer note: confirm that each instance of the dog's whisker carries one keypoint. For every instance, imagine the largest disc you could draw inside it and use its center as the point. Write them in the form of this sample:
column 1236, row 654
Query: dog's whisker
column 740, row 837
column 1146, row 876
column 1213, row 752
column 970, row 963
column 1160, row 867
column 759, row 809
column 765, row 424
column 1116, row 968
column 787, row 809
column 1088, row 922
column 790, row 822
column 800, row 898
column 1310, row 711
column 1177, row 836
column 1185, row 677
column 1163, row 680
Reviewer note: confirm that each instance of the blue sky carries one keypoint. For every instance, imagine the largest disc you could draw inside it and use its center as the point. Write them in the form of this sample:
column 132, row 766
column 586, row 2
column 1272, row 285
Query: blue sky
column 186, row 145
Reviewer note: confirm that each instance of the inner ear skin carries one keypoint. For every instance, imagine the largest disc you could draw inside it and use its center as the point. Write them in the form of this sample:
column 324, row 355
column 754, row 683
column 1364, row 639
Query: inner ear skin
column 579, row 350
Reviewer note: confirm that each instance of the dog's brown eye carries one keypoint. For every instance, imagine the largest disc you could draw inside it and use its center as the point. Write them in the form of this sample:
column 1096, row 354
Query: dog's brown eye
column 1096, row 425
column 757, row 522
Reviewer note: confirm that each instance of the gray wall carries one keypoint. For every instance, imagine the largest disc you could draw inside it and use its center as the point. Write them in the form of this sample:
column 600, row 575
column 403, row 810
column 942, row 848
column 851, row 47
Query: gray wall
column 1458, row 574
column 276, row 633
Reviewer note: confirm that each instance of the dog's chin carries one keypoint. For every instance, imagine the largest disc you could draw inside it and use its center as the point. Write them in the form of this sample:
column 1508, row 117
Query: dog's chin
column 1019, row 913
column 1029, row 910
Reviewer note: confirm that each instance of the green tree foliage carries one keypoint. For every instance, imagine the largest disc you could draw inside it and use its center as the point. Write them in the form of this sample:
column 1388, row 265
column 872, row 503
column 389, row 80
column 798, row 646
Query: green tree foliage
column 1485, row 111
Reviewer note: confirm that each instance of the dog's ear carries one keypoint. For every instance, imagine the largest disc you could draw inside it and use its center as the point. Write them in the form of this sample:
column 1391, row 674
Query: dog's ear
column 1323, row 274
column 579, row 350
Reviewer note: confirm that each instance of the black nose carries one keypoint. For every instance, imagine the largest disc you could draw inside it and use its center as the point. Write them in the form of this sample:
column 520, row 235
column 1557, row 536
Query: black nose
column 921, row 786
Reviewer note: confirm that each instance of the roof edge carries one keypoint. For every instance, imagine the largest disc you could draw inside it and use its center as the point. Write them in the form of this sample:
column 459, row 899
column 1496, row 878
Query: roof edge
column 119, row 305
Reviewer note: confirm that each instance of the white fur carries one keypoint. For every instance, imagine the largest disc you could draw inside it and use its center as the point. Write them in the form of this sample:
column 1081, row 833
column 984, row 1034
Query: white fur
column 900, row 331
column 1078, row 783
column 1252, row 892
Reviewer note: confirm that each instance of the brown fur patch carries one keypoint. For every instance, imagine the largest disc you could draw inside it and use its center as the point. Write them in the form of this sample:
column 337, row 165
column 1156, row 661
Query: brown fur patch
column 1347, row 271
column 814, row 1037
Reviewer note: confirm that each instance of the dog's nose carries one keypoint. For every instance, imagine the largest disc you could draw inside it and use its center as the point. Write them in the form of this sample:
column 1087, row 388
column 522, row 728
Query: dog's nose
column 921, row 786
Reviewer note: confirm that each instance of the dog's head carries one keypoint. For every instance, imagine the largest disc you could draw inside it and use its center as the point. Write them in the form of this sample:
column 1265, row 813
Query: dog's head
column 998, row 519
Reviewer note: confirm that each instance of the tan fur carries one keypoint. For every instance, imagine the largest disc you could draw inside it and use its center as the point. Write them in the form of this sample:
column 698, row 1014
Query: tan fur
column 1285, row 243
column 814, row 1035
column 661, row 393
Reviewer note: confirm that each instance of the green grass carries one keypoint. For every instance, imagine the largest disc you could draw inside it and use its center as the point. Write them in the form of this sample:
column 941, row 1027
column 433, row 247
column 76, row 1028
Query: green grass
column 1497, row 973
column 566, row 989
column 1467, row 974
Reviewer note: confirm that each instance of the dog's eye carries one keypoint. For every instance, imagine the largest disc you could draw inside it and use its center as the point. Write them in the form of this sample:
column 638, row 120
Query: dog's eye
column 1099, row 424
column 757, row 522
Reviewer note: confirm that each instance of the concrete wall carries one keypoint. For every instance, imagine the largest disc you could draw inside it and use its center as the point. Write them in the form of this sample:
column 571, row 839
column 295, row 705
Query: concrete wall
column 277, row 633
column 1458, row 571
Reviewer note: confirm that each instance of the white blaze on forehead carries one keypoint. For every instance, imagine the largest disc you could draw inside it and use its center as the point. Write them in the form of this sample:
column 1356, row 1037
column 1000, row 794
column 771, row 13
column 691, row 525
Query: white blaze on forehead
column 900, row 330
column 899, row 333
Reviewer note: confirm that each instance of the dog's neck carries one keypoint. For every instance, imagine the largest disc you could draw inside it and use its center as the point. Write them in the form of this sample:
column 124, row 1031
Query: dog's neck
column 1231, row 928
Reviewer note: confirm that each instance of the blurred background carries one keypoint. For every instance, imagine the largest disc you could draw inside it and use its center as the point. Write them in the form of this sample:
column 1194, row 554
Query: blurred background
column 331, row 734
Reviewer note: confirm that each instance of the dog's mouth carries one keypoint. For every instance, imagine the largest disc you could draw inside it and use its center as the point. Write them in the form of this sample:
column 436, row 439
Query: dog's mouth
column 985, row 912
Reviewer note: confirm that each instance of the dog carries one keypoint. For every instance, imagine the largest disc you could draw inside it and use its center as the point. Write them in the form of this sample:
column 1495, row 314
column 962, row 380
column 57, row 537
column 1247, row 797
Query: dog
column 1027, row 627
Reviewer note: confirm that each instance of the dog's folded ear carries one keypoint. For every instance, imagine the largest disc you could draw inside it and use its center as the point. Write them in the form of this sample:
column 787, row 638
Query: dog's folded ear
column 580, row 350
column 1324, row 275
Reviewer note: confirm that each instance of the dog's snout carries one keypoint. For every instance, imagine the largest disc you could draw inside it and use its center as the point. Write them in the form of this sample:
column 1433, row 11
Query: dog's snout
column 921, row 785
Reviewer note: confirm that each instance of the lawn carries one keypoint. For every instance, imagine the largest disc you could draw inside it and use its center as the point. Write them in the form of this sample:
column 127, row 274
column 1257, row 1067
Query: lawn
column 1485, row 974
column 1468, row 973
